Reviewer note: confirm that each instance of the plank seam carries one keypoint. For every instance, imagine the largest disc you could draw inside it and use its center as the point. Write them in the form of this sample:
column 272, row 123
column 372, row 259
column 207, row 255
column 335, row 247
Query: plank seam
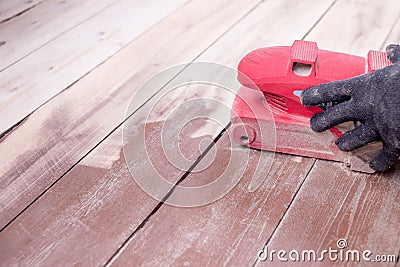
column 14, row 126
column 203, row 154
column 288, row 208
column 301, row 185
column 2, row 135
column 22, row 12
column 320, row 18
column 165, row 198
column 315, row 160
column 133, row 112
column 160, row 204
column 60, row 34
column 389, row 33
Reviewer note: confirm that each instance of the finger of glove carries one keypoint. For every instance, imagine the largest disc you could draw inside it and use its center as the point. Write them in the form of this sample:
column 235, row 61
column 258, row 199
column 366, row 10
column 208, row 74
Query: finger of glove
column 357, row 137
column 331, row 92
column 384, row 159
column 393, row 53
column 337, row 114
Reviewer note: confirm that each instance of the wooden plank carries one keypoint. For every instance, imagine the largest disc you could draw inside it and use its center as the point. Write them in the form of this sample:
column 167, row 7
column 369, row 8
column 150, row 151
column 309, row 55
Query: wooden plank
column 100, row 235
column 227, row 232
column 26, row 174
column 66, row 128
column 79, row 227
column 15, row 223
column 97, row 203
column 334, row 204
column 209, row 236
column 394, row 35
column 375, row 20
column 38, row 77
column 69, row 126
column 35, row 28
column 9, row 9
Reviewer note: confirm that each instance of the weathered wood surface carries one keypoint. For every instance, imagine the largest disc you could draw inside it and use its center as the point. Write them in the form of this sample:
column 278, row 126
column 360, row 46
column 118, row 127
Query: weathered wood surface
column 206, row 237
column 79, row 222
column 98, row 201
column 96, row 207
column 66, row 128
column 109, row 154
column 355, row 27
column 229, row 231
column 29, row 31
column 334, row 204
column 44, row 201
column 9, row 9
column 394, row 35
column 57, row 65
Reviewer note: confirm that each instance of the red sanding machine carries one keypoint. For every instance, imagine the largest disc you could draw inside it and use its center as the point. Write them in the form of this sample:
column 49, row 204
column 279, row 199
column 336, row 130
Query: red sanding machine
column 267, row 113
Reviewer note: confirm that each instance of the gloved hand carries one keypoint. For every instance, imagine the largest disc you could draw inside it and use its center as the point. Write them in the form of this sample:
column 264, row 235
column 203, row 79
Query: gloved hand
column 372, row 99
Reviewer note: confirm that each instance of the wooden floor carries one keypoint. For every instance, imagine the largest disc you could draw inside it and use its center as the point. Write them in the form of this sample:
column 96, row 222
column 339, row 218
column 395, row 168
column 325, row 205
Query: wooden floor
column 69, row 70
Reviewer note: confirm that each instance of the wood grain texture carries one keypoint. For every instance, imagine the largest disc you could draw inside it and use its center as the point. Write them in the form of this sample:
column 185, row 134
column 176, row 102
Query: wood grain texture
column 44, row 249
column 79, row 222
column 362, row 25
column 61, row 132
column 335, row 203
column 44, row 241
column 46, row 72
column 96, row 206
column 249, row 34
column 225, row 232
column 229, row 231
column 85, row 217
column 394, row 35
column 183, row 237
column 9, row 9
column 31, row 30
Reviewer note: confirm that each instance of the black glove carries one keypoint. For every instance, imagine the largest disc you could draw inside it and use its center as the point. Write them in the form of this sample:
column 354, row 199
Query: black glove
column 372, row 99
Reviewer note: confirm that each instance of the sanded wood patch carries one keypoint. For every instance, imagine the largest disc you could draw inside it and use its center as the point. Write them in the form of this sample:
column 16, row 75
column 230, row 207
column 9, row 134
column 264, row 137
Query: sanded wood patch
column 97, row 211
column 336, row 204
column 66, row 128
column 226, row 232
